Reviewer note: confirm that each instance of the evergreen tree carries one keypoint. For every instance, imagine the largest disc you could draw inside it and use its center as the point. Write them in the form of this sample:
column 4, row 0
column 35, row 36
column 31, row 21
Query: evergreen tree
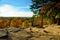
column 50, row 8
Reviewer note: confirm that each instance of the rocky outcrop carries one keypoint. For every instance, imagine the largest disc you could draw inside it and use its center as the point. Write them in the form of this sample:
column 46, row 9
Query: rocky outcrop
column 18, row 34
column 32, row 33
column 3, row 34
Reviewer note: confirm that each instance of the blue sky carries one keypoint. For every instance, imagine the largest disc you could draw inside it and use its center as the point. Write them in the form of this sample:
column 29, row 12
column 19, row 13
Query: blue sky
column 17, row 5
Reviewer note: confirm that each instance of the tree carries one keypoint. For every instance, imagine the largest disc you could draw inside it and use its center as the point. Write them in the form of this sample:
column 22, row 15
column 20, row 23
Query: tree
column 36, row 7
column 50, row 8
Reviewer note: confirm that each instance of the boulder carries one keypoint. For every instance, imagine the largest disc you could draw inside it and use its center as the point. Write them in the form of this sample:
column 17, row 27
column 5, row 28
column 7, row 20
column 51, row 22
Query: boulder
column 13, row 29
column 3, row 32
column 17, row 34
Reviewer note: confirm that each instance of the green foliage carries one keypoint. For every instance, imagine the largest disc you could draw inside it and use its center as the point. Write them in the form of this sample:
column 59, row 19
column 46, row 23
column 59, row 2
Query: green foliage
column 47, row 7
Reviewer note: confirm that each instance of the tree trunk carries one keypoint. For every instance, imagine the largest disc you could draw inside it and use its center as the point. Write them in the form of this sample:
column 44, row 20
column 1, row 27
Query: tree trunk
column 54, row 20
column 58, row 21
column 10, row 21
column 40, row 19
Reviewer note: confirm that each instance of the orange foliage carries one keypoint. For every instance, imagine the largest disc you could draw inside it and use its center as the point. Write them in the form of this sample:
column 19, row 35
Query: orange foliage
column 49, row 11
column 58, row 5
column 16, row 21
column 43, row 8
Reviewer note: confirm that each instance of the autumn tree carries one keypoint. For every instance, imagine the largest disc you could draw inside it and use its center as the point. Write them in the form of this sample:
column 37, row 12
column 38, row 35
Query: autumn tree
column 50, row 8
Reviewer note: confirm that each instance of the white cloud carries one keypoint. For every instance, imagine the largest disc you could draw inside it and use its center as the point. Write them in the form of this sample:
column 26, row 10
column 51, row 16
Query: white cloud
column 10, row 11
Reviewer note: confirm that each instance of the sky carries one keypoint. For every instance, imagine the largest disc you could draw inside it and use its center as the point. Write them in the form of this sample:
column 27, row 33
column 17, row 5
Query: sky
column 15, row 8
